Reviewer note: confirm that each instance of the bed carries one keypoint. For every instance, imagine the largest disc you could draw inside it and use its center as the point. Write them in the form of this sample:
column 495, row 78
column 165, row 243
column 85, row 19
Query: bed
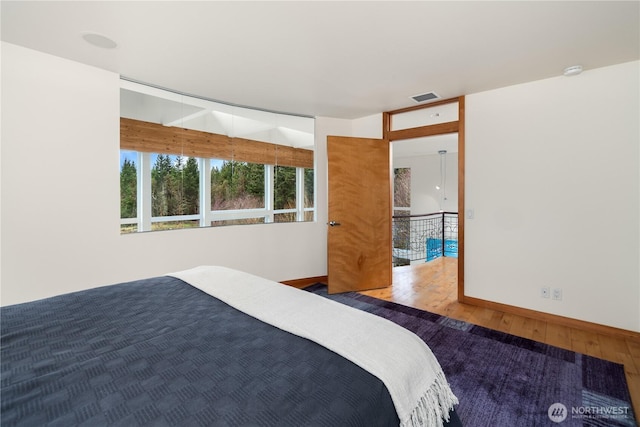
column 212, row 346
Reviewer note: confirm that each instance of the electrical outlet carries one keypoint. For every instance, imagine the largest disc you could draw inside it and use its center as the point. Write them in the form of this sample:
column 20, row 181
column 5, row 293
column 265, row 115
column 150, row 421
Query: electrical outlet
column 544, row 292
column 557, row 294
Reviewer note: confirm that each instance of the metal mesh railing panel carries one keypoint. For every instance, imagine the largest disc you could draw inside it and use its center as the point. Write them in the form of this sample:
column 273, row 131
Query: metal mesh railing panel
column 424, row 237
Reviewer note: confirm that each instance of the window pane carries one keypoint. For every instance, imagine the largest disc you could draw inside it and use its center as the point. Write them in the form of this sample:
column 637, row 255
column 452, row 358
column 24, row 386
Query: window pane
column 285, row 188
column 285, row 217
column 128, row 228
column 236, row 185
column 174, row 225
column 175, row 185
column 128, row 184
column 238, row 221
column 402, row 187
column 308, row 188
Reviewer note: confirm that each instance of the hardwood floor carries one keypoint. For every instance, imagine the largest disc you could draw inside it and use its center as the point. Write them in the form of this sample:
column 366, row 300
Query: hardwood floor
column 433, row 287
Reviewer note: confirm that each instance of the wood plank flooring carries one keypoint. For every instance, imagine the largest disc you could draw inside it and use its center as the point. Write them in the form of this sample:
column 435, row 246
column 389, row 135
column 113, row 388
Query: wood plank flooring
column 433, row 287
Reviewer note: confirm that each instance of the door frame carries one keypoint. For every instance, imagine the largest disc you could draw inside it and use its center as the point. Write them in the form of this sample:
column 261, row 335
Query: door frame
column 432, row 130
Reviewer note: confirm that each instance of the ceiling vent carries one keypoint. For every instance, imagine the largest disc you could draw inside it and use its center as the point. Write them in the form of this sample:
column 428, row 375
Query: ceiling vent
column 425, row 97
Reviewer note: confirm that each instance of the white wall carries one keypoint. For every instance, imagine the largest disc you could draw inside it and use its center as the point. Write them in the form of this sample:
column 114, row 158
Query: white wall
column 367, row 127
column 425, row 175
column 60, row 194
column 552, row 176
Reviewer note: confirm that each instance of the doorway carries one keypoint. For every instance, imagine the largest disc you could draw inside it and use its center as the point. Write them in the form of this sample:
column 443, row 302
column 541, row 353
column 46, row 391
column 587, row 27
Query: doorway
column 425, row 199
column 442, row 124
column 447, row 119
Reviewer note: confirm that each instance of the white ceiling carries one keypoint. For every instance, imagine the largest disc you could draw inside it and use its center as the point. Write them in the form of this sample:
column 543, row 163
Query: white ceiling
column 328, row 58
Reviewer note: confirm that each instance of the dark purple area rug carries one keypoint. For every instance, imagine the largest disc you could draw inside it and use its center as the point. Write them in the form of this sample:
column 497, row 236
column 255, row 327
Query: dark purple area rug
column 505, row 380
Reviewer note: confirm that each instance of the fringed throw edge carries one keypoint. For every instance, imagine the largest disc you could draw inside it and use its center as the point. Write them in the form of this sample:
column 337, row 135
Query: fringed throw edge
column 434, row 405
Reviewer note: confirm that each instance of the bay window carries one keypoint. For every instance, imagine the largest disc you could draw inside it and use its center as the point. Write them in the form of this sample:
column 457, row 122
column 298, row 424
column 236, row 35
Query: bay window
column 187, row 162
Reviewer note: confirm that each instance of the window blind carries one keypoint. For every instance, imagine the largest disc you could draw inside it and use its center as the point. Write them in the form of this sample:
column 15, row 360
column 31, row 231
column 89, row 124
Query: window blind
column 137, row 135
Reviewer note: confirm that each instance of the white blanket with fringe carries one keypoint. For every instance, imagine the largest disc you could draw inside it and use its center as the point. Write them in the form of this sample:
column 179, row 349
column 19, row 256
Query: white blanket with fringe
column 398, row 357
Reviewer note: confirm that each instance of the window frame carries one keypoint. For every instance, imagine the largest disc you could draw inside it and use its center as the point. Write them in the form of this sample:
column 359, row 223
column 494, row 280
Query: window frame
column 206, row 217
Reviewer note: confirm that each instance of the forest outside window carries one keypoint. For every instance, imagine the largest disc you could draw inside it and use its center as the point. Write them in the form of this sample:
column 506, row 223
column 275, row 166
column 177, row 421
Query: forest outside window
column 189, row 162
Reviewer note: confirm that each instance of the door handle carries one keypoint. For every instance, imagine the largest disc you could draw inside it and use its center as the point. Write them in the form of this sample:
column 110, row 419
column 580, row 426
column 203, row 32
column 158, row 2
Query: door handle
column 333, row 223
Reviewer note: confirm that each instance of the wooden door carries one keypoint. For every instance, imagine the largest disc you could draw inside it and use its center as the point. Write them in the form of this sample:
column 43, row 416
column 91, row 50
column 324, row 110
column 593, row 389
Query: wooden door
column 359, row 229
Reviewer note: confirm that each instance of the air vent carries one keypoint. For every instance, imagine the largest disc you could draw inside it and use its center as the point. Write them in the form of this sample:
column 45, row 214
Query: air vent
column 425, row 97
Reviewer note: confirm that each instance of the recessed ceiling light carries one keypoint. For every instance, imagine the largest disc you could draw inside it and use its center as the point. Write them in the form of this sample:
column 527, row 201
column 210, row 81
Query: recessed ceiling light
column 574, row 70
column 99, row 40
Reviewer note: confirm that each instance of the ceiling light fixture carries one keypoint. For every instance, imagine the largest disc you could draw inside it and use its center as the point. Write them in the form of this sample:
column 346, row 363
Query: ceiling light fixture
column 574, row 70
column 99, row 40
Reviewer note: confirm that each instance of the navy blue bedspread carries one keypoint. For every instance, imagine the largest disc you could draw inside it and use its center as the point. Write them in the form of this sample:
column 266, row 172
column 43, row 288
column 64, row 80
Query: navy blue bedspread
column 160, row 352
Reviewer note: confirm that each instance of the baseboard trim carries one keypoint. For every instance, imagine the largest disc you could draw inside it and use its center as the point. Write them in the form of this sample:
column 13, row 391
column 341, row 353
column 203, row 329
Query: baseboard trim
column 561, row 320
column 512, row 309
column 303, row 283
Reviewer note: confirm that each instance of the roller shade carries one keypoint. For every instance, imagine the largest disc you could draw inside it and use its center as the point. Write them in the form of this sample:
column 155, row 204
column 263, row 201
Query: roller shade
column 149, row 137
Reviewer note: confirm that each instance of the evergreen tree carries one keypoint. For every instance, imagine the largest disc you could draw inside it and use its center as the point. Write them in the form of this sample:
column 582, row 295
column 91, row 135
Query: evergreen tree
column 255, row 180
column 237, row 185
column 308, row 188
column 128, row 190
column 222, row 183
column 191, row 182
column 285, row 187
column 161, row 172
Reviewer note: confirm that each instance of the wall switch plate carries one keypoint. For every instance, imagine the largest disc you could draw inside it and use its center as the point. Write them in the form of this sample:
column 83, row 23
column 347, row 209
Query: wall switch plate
column 557, row 294
column 544, row 292
column 470, row 214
